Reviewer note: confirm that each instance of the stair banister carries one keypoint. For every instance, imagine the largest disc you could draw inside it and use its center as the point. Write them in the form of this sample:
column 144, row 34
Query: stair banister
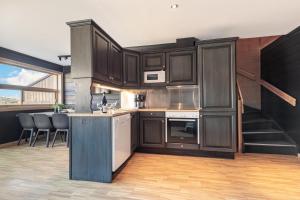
column 281, row 94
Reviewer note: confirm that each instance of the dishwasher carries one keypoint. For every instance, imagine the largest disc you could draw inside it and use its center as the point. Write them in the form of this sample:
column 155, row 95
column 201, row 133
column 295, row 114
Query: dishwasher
column 121, row 140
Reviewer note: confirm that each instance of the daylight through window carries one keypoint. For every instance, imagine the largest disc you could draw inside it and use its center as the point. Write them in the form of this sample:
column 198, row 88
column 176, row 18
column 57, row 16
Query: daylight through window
column 21, row 86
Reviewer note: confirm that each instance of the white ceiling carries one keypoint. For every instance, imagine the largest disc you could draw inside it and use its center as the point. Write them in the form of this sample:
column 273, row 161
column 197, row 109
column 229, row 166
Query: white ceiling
column 37, row 27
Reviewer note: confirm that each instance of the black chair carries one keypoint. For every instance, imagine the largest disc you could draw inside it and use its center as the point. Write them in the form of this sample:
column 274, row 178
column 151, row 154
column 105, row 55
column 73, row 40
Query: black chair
column 61, row 124
column 43, row 124
column 27, row 124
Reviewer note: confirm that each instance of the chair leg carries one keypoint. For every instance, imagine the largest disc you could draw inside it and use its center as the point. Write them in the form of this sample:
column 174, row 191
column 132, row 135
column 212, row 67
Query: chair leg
column 36, row 136
column 47, row 140
column 54, row 138
column 61, row 137
column 21, row 136
column 30, row 138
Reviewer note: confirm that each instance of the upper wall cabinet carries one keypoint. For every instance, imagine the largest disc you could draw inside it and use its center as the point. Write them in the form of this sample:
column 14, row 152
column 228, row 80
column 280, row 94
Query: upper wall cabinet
column 153, row 61
column 181, row 68
column 95, row 54
column 101, row 56
column 115, row 70
column 216, row 66
column 131, row 69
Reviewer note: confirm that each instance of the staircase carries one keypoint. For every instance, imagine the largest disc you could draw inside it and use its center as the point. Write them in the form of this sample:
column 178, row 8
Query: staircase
column 263, row 135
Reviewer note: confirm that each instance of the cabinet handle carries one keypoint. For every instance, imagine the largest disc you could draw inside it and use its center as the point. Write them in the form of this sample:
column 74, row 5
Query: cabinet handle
column 163, row 121
column 164, row 67
column 200, row 115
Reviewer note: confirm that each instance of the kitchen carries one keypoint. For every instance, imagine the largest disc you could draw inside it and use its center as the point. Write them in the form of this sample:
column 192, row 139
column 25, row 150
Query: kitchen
column 175, row 98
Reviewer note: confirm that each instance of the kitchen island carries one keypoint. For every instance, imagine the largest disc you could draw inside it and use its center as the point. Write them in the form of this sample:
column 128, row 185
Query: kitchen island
column 99, row 145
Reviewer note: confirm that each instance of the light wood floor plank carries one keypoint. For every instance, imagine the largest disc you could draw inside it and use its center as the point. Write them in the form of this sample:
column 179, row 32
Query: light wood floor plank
column 42, row 173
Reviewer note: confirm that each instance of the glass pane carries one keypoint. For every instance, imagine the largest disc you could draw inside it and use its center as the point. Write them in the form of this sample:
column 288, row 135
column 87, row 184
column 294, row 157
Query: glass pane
column 10, row 97
column 49, row 81
column 13, row 75
column 30, row 97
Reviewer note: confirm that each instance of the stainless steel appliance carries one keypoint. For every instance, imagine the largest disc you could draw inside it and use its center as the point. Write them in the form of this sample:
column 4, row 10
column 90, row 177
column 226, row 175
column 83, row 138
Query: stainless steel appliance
column 121, row 142
column 182, row 127
column 154, row 76
column 140, row 101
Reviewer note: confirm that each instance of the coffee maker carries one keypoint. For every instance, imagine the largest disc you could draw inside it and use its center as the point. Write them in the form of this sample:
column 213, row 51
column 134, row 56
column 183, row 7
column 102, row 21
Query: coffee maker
column 140, row 100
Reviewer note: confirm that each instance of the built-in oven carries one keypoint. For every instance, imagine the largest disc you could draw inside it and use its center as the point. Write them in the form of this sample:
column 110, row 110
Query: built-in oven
column 182, row 127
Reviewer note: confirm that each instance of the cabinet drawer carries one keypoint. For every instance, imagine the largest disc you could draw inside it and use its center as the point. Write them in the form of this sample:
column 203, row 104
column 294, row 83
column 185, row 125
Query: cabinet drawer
column 182, row 146
column 152, row 114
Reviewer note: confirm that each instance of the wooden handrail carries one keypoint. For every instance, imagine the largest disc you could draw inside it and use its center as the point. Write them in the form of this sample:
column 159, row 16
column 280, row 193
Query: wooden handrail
column 240, row 95
column 246, row 74
column 239, row 117
column 286, row 97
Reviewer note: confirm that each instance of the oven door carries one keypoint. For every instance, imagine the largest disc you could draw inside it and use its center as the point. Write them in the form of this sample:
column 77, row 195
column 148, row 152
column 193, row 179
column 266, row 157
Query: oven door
column 182, row 130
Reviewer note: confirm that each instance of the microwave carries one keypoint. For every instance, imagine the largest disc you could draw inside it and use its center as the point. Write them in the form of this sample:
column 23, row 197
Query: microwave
column 154, row 76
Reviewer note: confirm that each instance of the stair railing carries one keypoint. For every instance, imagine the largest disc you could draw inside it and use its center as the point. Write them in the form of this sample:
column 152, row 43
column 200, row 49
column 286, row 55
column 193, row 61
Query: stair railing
column 281, row 94
column 240, row 113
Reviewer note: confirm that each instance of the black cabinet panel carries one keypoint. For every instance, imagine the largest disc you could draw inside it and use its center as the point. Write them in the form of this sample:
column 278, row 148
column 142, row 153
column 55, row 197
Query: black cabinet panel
column 91, row 154
column 134, row 131
column 181, row 68
column 131, row 69
column 218, row 131
column 152, row 132
column 216, row 66
column 153, row 61
column 101, row 56
column 115, row 69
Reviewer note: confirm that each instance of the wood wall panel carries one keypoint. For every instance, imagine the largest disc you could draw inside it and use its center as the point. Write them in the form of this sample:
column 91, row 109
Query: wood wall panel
column 248, row 67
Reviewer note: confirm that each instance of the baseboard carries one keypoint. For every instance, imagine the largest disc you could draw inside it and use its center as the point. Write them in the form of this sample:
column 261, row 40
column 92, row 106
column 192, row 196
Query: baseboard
column 9, row 144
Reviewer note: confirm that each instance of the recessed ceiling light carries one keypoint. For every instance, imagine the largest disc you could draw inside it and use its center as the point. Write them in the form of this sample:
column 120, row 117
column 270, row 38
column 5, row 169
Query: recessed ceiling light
column 174, row 6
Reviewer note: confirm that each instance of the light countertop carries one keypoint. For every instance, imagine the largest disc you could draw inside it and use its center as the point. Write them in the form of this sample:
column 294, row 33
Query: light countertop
column 114, row 113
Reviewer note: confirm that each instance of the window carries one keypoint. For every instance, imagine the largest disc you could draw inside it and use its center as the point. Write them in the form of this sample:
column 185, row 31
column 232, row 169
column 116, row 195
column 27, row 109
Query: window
column 24, row 86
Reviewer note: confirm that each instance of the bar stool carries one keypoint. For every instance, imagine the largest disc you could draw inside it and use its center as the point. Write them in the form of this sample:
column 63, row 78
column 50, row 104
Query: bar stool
column 61, row 124
column 43, row 124
column 27, row 124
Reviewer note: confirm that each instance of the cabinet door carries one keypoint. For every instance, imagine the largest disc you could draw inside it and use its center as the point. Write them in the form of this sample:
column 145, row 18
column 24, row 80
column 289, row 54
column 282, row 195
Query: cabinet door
column 218, row 132
column 134, row 131
column 131, row 69
column 181, row 68
column 101, row 56
column 153, row 61
column 152, row 132
column 216, row 66
column 115, row 70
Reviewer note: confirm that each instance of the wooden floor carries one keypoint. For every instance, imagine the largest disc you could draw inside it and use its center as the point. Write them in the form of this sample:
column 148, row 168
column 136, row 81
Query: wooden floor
column 42, row 173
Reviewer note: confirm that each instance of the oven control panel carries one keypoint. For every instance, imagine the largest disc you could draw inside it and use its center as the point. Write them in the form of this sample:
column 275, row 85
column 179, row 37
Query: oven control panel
column 184, row 114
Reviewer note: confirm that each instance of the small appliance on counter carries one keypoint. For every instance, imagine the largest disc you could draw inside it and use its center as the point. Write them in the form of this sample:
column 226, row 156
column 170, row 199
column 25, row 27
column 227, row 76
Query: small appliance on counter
column 140, row 100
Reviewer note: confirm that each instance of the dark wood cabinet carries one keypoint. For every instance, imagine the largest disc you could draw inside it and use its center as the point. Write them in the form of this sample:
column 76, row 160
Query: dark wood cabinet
column 131, row 69
column 218, row 131
column 152, row 131
column 134, row 131
column 181, row 68
column 115, row 69
column 153, row 61
column 216, row 66
column 101, row 56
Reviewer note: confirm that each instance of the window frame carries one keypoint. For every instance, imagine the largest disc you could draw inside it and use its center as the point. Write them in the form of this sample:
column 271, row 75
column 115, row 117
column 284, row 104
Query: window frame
column 58, row 92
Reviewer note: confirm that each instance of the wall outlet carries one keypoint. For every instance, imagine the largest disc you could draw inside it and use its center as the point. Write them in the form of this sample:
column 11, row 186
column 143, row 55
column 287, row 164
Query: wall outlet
column 298, row 155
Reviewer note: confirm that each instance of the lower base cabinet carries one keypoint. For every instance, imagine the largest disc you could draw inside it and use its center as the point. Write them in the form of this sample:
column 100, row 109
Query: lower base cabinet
column 218, row 131
column 152, row 132
column 134, row 131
